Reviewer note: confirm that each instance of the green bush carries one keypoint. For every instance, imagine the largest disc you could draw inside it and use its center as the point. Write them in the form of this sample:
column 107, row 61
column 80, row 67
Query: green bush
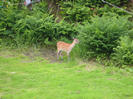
column 8, row 20
column 75, row 12
column 79, row 10
column 109, row 10
column 123, row 53
column 95, row 3
column 101, row 36
column 39, row 31
column 37, row 27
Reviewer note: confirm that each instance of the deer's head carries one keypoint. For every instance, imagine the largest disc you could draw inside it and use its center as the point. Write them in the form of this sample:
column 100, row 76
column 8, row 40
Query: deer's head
column 76, row 41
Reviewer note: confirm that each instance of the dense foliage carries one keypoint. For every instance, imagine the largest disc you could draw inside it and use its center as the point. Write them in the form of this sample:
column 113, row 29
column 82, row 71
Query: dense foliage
column 79, row 11
column 94, row 3
column 25, row 27
column 124, row 52
column 101, row 36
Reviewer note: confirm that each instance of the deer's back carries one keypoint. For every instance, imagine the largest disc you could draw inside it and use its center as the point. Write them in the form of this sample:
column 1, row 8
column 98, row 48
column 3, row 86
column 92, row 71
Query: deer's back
column 63, row 46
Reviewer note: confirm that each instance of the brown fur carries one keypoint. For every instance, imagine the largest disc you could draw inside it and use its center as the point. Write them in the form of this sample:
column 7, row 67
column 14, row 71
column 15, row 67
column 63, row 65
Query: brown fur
column 66, row 47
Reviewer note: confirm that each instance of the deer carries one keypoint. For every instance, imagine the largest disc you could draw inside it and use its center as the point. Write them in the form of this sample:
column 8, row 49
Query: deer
column 65, row 47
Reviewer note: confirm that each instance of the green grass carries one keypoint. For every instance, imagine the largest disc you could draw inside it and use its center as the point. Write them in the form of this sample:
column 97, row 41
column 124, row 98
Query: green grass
column 25, row 78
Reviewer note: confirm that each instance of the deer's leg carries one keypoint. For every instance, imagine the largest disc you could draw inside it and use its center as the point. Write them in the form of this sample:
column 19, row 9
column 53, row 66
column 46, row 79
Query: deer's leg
column 58, row 54
column 68, row 56
column 61, row 55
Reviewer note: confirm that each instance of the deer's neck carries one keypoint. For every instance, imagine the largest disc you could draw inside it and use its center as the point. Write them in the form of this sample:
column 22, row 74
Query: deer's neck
column 72, row 45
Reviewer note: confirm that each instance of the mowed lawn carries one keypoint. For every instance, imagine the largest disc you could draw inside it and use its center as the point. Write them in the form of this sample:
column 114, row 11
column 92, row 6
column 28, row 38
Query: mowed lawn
column 24, row 78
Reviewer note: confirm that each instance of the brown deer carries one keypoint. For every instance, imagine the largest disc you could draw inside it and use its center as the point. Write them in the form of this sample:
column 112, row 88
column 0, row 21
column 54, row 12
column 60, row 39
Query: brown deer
column 62, row 46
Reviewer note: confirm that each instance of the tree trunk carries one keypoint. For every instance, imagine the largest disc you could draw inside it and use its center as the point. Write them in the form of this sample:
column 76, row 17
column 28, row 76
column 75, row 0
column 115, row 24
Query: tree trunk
column 20, row 3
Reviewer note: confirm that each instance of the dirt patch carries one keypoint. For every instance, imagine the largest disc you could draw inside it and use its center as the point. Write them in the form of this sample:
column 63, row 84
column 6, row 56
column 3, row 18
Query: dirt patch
column 7, row 54
column 46, row 53
column 49, row 54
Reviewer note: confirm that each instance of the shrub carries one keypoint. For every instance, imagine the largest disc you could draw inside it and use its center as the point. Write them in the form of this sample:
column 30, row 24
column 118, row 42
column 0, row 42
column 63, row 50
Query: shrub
column 39, row 31
column 75, row 12
column 123, row 53
column 101, row 36
column 23, row 27
column 95, row 3
column 109, row 10
column 9, row 17
column 79, row 10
